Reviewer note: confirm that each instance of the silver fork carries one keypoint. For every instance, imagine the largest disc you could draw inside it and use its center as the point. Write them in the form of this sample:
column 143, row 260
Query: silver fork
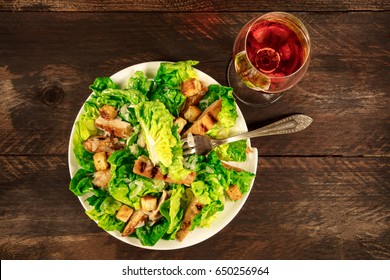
column 202, row 145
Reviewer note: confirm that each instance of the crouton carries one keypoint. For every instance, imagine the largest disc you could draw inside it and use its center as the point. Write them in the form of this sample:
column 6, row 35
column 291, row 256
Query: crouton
column 193, row 209
column 144, row 167
column 193, row 87
column 148, row 203
column 102, row 178
column 136, row 218
column 234, row 192
column 115, row 127
column 191, row 101
column 108, row 112
column 192, row 113
column 124, row 213
column 100, row 161
column 181, row 123
column 206, row 120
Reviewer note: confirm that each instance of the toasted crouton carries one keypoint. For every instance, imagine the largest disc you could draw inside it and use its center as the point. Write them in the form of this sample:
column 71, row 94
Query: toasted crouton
column 206, row 120
column 193, row 209
column 148, row 203
column 100, row 161
column 144, row 167
column 191, row 101
column 234, row 192
column 136, row 218
column 192, row 87
column 124, row 213
column 192, row 113
column 115, row 127
column 180, row 122
column 108, row 112
column 102, row 178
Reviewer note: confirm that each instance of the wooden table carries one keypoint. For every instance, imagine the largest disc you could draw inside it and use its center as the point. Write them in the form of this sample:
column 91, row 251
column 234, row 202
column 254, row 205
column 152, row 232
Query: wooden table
column 323, row 193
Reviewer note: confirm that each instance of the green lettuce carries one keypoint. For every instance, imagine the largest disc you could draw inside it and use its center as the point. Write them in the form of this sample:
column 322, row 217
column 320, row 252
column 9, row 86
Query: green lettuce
column 119, row 97
column 101, row 84
column 85, row 128
column 242, row 179
column 172, row 211
column 149, row 235
column 157, row 124
column 104, row 212
column 228, row 115
column 139, row 82
column 173, row 74
column 81, row 182
column 169, row 78
column 235, row 151
column 126, row 186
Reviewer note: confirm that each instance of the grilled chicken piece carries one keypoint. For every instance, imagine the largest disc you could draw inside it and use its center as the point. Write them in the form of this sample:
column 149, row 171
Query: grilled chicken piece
column 193, row 209
column 193, row 87
column 137, row 218
column 97, row 144
column 102, row 178
column 108, row 112
column 144, row 167
column 124, row 213
column 100, row 161
column 206, row 120
column 148, row 203
column 115, row 127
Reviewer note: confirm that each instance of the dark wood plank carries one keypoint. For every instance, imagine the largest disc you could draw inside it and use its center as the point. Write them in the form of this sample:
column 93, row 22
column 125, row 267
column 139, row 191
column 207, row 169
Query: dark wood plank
column 299, row 208
column 45, row 71
column 192, row 5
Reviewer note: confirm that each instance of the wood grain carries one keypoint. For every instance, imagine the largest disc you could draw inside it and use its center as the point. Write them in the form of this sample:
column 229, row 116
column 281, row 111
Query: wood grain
column 299, row 208
column 47, row 68
column 323, row 193
column 191, row 5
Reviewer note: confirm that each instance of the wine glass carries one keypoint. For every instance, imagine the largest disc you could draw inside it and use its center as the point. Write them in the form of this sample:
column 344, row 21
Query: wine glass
column 271, row 54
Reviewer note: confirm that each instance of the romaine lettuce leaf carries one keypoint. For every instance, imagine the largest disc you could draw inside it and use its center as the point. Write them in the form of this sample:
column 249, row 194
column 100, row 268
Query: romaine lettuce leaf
column 169, row 78
column 120, row 97
column 149, row 235
column 139, row 82
column 172, row 98
column 228, row 115
column 81, row 182
column 157, row 124
column 172, row 211
column 242, row 179
column 84, row 128
column 126, row 186
column 173, row 74
column 101, row 84
column 105, row 209
column 235, row 151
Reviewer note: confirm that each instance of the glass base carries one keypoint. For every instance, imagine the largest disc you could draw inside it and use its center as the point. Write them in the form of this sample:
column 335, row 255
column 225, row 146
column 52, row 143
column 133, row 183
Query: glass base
column 247, row 95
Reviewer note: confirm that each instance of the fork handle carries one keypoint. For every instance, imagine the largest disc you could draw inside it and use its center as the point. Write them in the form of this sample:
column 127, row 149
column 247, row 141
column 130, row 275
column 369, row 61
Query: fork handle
column 287, row 125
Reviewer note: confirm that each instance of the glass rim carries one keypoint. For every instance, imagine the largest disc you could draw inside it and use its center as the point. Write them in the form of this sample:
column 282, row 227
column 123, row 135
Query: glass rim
column 299, row 24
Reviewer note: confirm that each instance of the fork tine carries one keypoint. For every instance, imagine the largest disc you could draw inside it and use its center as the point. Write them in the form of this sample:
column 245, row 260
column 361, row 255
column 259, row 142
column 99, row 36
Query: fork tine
column 189, row 152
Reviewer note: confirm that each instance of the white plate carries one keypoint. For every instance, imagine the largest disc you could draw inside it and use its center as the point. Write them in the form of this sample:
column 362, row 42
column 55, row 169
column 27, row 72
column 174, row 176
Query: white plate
column 231, row 208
